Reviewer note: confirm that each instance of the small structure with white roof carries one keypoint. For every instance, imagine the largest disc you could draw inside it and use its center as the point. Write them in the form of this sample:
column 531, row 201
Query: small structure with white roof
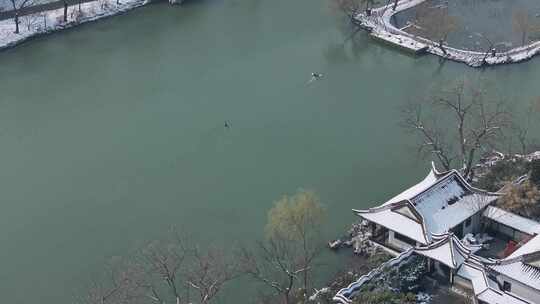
column 436, row 218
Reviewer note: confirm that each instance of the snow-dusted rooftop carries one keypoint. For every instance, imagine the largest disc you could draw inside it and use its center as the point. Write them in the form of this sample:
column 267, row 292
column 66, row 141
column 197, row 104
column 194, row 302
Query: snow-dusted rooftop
column 397, row 222
column 434, row 206
column 429, row 210
column 449, row 251
column 512, row 220
column 427, row 182
column 449, row 202
column 519, row 271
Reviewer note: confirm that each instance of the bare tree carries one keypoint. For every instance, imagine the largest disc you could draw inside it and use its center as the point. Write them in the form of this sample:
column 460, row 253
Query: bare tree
column 523, row 25
column 30, row 20
column 17, row 6
column 65, row 10
column 161, row 263
column 117, row 286
column 352, row 7
column 209, row 272
column 165, row 272
column 521, row 132
column 436, row 23
column 478, row 125
column 276, row 265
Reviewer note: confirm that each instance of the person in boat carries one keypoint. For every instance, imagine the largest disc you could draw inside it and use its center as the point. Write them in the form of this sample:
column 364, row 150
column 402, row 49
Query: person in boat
column 227, row 125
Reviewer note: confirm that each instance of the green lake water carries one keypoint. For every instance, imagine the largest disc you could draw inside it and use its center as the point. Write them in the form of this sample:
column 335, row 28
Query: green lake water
column 113, row 132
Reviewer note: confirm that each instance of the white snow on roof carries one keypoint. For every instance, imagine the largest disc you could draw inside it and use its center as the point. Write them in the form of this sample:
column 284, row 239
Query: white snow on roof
column 448, row 203
column 398, row 223
column 427, row 182
column 448, row 250
column 486, row 289
column 493, row 297
column 443, row 203
column 518, row 271
column 440, row 252
column 512, row 220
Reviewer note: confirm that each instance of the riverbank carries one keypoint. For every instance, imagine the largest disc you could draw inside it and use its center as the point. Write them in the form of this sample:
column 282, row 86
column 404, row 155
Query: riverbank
column 380, row 25
column 49, row 21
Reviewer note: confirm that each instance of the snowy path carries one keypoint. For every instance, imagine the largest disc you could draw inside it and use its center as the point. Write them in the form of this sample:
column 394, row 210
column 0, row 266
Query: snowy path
column 50, row 21
column 379, row 23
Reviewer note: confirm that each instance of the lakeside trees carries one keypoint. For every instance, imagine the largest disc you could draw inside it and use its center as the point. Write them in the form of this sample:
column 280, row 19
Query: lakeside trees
column 455, row 124
column 352, row 7
column 17, row 6
column 479, row 125
column 293, row 242
column 436, row 23
column 523, row 25
column 178, row 270
column 175, row 270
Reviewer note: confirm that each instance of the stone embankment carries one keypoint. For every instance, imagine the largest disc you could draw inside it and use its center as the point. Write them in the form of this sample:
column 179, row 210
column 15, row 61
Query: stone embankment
column 49, row 21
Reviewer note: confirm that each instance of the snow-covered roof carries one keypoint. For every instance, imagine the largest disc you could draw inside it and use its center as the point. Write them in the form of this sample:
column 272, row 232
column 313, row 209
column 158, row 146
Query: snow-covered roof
column 500, row 297
column 485, row 288
column 521, row 265
column 449, row 251
column 512, row 220
column 427, row 182
column 519, row 271
column 438, row 203
column 449, row 202
column 397, row 222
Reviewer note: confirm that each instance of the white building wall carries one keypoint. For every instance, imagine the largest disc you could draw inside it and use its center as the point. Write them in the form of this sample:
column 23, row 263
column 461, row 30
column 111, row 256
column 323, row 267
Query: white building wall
column 520, row 289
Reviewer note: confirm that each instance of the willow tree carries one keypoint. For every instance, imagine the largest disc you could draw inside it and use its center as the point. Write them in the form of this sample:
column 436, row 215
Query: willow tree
column 298, row 218
column 293, row 242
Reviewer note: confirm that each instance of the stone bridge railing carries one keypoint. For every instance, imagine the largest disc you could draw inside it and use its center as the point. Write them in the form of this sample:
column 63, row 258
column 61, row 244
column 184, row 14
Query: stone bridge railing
column 345, row 295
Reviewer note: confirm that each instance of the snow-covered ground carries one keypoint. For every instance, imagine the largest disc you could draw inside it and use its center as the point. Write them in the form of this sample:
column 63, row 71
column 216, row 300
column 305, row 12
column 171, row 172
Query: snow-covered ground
column 53, row 20
column 5, row 5
column 379, row 23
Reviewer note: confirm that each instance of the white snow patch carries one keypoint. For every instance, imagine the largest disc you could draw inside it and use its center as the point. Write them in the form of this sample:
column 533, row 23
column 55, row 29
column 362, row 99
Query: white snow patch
column 52, row 20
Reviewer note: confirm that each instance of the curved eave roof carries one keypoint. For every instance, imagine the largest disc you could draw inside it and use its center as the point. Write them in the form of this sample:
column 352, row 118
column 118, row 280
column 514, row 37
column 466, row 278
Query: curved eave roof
column 396, row 222
column 416, row 230
column 448, row 250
